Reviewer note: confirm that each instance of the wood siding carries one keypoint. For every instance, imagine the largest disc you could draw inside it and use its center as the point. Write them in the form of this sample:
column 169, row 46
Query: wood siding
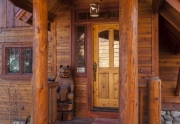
column 16, row 36
column 169, row 65
column 7, row 12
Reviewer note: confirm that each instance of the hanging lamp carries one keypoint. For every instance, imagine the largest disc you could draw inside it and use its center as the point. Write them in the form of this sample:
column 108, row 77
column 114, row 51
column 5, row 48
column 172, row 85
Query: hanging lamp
column 94, row 9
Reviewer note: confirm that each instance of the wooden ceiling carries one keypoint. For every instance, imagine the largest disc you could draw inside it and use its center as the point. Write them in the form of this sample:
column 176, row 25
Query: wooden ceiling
column 53, row 6
column 169, row 22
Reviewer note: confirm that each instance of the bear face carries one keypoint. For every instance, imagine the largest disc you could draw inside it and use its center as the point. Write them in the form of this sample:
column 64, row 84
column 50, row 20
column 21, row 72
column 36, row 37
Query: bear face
column 64, row 71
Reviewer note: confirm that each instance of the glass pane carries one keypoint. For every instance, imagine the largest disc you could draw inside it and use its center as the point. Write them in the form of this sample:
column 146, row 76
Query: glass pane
column 104, row 49
column 27, row 52
column 27, row 65
column 80, row 49
column 12, row 60
column 26, row 60
column 116, row 48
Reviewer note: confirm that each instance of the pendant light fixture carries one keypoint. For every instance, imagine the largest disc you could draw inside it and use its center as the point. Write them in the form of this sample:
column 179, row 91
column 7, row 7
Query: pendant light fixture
column 94, row 9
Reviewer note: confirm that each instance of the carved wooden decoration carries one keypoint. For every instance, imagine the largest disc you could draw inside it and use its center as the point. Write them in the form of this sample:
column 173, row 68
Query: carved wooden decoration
column 65, row 93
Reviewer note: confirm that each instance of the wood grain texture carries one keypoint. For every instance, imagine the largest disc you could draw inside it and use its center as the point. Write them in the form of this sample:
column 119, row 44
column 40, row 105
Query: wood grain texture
column 154, row 95
column 7, row 12
column 155, row 45
column 128, row 106
column 39, row 111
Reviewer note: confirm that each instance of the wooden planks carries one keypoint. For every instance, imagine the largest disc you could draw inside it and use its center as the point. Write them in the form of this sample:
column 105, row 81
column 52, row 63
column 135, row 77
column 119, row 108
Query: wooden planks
column 63, row 38
column 16, row 88
column 168, row 72
column 80, row 97
column 145, row 43
column 7, row 12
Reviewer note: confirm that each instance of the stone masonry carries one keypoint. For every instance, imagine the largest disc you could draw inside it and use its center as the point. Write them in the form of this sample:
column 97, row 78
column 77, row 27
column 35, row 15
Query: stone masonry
column 170, row 117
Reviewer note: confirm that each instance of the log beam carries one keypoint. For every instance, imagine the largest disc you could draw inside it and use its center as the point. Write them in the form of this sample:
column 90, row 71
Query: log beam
column 156, row 4
column 128, row 70
column 27, row 5
column 39, row 111
column 154, row 93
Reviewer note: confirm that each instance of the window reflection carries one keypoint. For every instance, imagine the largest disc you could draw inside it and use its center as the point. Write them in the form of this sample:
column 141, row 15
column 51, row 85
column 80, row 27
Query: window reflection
column 13, row 60
column 27, row 60
column 80, row 48
column 116, row 48
column 104, row 49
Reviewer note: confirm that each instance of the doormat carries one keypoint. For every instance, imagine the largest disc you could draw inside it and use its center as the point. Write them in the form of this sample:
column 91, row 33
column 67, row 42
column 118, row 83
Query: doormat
column 105, row 121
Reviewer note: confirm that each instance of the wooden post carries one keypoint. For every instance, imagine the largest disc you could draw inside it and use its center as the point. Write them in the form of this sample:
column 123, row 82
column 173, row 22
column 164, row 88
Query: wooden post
column 154, row 93
column 128, row 70
column 39, row 111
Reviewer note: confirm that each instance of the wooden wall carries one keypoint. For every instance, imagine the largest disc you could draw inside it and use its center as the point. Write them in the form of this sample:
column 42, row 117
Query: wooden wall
column 16, row 36
column 7, row 12
column 169, row 65
column 145, row 66
column 63, row 37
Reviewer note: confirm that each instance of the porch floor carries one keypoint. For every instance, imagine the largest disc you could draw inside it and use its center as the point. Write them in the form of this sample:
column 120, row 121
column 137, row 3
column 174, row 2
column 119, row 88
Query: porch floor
column 91, row 121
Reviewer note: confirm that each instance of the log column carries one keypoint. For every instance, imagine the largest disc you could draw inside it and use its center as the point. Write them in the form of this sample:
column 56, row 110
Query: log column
column 154, row 93
column 128, row 70
column 39, row 108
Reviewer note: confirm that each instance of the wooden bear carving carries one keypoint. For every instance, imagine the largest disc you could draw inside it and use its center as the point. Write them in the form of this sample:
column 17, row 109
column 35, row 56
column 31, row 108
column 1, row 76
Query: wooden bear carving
column 66, row 85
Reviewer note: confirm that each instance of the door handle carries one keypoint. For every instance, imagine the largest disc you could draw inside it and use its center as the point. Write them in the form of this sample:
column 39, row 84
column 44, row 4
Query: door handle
column 94, row 70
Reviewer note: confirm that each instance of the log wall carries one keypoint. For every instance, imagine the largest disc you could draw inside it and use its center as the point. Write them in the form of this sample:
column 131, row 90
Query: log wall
column 16, row 36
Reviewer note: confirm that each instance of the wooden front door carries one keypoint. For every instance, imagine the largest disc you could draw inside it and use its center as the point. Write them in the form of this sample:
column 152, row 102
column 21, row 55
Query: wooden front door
column 106, row 65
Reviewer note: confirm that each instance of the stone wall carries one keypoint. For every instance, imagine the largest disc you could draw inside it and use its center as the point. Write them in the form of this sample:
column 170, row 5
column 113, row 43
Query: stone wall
column 170, row 117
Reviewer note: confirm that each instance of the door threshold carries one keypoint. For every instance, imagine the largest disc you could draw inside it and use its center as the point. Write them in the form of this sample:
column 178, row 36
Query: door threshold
column 100, row 109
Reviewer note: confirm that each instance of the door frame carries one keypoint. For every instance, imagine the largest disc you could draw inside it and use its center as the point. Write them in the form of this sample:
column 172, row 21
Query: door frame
column 90, row 111
column 90, row 59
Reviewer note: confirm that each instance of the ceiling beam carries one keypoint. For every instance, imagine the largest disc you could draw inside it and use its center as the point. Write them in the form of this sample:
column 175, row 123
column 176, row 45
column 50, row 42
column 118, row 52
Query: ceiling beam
column 156, row 4
column 175, row 4
column 69, row 2
column 26, row 5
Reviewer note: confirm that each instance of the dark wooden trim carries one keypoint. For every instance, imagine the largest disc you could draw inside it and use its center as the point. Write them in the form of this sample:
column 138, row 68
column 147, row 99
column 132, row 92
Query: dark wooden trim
column 178, row 84
column 69, row 2
column 156, row 4
column 27, row 5
column 74, row 56
column 107, row 6
column 155, row 44
column 97, row 19
column 90, row 49
column 19, row 75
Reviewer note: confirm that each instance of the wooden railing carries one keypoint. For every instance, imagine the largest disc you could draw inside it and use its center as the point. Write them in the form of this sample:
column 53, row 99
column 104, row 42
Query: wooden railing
column 52, row 102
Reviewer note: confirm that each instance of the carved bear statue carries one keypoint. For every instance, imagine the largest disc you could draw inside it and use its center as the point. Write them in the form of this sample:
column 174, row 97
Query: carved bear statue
column 66, row 85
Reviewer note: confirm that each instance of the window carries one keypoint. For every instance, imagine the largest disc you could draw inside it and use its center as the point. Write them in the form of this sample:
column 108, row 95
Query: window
column 17, row 61
column 80, row 49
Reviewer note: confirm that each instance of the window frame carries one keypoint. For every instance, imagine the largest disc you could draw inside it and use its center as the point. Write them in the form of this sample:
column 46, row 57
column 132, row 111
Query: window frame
column 80, row 74
column 19, row 75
